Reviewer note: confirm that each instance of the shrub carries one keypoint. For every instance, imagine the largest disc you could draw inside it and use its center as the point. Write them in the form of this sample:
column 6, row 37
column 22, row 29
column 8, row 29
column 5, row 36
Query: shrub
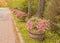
column 20, row 14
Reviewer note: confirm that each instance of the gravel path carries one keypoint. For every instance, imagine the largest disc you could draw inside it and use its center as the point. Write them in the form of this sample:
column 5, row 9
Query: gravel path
column 7, row 34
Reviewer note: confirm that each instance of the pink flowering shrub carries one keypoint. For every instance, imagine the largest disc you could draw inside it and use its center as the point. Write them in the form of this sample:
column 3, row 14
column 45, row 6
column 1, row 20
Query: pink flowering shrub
column 19, row 13
column 38, row 24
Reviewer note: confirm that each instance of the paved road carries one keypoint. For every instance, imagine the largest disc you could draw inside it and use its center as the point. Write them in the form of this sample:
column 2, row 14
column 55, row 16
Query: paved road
column 7, row 34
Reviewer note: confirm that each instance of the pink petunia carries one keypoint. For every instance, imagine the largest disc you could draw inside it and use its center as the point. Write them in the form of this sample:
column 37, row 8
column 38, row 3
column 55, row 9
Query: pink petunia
column 39, row 26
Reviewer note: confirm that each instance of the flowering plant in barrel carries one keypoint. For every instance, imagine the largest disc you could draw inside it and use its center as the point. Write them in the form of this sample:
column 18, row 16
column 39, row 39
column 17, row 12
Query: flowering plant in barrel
column 37, row 27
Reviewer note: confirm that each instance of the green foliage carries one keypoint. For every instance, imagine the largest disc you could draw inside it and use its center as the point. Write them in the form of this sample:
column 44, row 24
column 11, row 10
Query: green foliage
column 34, row 7
column 52, row 10
column 11, row 3
column 20, row 4
column 49, row 38
column 24, row 6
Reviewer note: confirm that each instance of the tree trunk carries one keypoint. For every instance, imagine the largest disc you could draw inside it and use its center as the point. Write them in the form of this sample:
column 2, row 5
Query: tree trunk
column 40, row 8
column 29, row 8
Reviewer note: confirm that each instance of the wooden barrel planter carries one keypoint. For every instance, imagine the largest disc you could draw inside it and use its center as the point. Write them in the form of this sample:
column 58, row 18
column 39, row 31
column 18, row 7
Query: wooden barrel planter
column 36, row 35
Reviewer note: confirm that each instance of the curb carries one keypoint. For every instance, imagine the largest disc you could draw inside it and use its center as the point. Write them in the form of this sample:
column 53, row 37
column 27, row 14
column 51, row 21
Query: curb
column 19, row 38
column 16, row 33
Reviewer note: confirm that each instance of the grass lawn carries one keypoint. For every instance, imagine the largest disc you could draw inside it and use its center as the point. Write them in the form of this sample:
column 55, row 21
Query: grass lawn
column 50, row 36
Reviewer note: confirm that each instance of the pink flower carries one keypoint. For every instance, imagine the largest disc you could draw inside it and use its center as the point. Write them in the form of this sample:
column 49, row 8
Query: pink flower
column 41, row 24
column 39, row 30
column 29, row 26
column 43, row 30
column 46, row 20
column 39, row 27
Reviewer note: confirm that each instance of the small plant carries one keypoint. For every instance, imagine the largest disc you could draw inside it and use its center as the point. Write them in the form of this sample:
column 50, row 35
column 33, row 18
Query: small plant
column 38, row 24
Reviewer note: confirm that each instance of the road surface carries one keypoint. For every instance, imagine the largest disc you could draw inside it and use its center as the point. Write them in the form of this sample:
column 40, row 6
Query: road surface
column 7, row 34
